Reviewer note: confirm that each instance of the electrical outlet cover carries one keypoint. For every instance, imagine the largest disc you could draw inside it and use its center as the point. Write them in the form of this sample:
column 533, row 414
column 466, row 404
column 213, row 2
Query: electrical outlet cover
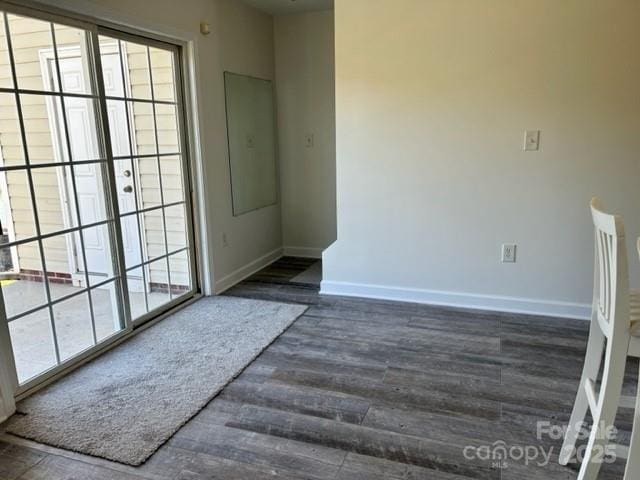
column 308, row 140
column 509, row 253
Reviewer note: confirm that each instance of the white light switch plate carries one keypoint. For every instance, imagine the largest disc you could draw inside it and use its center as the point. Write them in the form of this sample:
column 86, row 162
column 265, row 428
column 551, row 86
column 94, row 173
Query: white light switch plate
column 532, row 140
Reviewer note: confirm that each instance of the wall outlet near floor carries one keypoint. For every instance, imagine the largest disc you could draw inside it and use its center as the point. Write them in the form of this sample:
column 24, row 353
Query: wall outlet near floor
column 509, row 253
column 308, row 140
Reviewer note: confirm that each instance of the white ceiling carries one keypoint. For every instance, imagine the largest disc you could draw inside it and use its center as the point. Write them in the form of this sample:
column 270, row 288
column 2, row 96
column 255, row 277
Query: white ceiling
column 282, row 7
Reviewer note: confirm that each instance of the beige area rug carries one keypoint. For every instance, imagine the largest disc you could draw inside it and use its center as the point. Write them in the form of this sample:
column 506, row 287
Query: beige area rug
column 125, row 404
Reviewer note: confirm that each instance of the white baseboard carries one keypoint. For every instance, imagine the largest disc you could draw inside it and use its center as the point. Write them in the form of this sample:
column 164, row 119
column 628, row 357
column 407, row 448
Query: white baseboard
column 249, row 269
column 305, row 252
column 530, row 306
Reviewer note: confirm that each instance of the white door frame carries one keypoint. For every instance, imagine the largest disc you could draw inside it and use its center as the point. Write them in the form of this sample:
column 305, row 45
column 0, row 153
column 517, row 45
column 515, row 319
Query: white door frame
column 57, row 143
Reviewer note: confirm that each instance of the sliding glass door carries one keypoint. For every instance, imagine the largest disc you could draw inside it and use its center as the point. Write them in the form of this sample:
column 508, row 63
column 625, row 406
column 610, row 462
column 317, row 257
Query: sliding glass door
column 96, row 221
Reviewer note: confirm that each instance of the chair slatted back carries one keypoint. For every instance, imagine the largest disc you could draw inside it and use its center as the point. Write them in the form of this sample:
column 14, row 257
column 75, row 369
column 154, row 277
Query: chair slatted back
column 611, row 286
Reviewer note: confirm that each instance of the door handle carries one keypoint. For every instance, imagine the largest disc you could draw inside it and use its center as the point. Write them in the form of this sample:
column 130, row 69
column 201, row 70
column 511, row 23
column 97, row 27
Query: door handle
column 128, row 189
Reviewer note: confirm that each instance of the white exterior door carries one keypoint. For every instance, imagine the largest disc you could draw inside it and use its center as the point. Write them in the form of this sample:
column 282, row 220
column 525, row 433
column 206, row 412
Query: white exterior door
column 89, row 176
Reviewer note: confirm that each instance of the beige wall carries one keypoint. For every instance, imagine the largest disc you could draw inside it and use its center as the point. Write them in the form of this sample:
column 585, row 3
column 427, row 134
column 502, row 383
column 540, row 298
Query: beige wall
column 245, row 42
column 432, row 101
column 305, row 93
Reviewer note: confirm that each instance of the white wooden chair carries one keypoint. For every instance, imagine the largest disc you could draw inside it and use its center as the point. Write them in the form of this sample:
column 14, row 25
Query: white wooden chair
column 615, row 316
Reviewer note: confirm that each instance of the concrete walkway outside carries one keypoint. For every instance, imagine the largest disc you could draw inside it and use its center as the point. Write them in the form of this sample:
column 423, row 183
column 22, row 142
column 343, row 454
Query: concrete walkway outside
column 31, row 336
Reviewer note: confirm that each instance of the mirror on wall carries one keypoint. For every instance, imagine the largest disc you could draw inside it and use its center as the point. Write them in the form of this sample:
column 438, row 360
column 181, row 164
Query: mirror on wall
column 251, row 137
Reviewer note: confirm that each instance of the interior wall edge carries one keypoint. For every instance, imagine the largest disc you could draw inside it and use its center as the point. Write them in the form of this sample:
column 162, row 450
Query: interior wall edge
column 305, row 98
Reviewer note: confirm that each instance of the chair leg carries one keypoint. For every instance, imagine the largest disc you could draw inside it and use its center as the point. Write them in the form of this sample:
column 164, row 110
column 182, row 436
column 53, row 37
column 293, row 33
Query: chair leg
column 592, row 362
column 632, row 472
column 608, row 402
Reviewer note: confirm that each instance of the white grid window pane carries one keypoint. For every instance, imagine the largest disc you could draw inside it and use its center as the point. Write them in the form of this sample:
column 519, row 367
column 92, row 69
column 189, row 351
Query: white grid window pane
column 118, row 113
column 137, row 76
column 6, row 75
column 90, row 183
column 44, row 128
column 83, row 130
column 18, row 206
column 149, row 191
column 158, row 275
column 163, row 74
column 111, row 66
column 105, row 310
column 59, row 259
column 71, row 47
column 11, row 147
column 171, row 171
column 131, row 240
column 180, row 273
column 98, row 248
column 54, row 196
column 154, row 234
column 143, row 128
column 167, row 128
column 176, row 227
column 72, row 319
column 32, row 46
column 32, row 344
column 23, row 287
column 138, row 289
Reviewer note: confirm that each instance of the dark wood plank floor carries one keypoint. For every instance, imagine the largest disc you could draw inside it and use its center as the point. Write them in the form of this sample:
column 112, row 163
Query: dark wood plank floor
column 363, row 389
